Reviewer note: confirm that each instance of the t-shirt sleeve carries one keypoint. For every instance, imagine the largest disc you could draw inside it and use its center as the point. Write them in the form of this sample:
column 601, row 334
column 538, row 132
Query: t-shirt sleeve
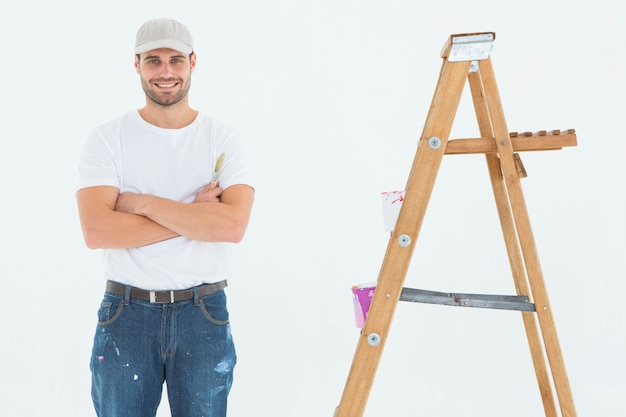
column 238, row 162
column 97, row 163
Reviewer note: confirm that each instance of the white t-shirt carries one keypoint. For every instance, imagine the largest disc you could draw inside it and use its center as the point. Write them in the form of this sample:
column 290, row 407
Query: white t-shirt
column 133, row 155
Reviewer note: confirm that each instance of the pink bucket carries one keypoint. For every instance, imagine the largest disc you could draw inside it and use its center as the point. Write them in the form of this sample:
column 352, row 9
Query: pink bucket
column 362, row 296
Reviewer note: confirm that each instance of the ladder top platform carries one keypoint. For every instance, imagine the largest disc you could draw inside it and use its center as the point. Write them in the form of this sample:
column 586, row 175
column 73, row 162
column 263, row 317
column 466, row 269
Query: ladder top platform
column 468, row 46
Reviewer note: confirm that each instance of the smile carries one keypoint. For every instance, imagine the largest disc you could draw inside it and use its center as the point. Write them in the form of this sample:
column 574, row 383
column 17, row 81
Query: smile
column 163, row 85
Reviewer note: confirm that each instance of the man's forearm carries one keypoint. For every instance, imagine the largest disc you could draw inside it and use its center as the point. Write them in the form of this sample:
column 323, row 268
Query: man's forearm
column 208, row 222
column 125, row 230
column 105, row 228
column 217, row 221
column 127, row 220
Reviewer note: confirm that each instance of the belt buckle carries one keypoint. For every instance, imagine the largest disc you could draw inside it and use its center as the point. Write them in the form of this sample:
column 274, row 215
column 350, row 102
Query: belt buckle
column 153, row 299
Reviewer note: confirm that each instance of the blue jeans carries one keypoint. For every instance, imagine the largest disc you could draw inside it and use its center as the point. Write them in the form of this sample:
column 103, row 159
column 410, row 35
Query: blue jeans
column 139, row 345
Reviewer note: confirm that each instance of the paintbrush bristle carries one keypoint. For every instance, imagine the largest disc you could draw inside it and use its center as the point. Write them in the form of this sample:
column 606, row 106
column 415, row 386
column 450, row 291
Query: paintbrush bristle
column 220, row 161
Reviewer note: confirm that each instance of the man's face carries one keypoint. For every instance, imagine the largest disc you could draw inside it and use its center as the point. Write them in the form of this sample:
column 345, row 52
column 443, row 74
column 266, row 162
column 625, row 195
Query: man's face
column 165, row 75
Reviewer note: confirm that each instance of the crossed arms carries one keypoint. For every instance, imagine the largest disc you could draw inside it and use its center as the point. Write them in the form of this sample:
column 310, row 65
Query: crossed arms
column 127, row 220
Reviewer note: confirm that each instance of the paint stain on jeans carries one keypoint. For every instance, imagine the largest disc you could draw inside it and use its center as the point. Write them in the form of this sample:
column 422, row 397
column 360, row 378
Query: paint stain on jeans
column 222, row 367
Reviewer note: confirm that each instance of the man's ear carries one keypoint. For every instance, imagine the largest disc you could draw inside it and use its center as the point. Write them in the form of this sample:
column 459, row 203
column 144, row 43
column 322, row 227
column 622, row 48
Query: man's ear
column 193, row 61
column 137, row 64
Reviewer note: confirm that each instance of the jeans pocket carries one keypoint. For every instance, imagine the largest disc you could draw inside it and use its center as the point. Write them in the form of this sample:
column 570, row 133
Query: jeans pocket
column 214, row 308
column 109, row 312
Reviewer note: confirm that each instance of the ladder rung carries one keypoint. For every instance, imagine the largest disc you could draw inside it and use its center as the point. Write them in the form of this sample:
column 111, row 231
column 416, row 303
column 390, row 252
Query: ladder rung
column 500, row 302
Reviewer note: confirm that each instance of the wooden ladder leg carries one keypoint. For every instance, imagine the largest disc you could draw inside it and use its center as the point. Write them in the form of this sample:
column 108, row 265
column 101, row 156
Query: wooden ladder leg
column 401, row 244
column 512, row 246
column 530, row 323
column 527, row 242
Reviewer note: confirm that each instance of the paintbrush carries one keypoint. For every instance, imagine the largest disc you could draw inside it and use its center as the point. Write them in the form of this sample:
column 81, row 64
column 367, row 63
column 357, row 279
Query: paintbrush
column 216, row 172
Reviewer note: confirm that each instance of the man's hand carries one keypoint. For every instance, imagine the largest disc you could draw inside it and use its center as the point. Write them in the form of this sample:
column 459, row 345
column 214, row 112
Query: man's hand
column 128, row 202
column 208, row 195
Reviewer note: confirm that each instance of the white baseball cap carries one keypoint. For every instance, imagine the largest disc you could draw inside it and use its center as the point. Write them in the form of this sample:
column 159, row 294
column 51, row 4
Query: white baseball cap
column 163, row 33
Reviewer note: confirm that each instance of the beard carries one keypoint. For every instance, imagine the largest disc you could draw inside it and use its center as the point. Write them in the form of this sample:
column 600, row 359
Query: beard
column 166, row 99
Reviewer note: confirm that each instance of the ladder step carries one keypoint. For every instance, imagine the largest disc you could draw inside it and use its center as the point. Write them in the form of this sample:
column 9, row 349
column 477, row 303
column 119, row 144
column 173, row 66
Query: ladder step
column 500, row 302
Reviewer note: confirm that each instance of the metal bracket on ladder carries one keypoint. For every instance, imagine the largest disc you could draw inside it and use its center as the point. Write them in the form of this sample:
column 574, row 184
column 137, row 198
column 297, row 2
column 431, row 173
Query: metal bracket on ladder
column 470, row 47
column 500, row 302
column 466, row 58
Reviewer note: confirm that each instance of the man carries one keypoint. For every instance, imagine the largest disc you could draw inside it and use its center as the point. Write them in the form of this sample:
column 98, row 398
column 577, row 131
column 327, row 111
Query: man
column 146, row 197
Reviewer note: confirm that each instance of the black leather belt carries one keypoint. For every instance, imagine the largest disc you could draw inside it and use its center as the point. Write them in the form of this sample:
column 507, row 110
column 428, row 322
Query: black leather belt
column 165, row 296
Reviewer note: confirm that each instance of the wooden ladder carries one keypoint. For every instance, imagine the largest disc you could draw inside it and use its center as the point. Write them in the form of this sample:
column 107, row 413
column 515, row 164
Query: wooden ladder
column 467, row 57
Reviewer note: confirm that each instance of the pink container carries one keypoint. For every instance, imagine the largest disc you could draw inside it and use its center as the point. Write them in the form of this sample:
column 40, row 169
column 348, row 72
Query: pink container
column 362, row 296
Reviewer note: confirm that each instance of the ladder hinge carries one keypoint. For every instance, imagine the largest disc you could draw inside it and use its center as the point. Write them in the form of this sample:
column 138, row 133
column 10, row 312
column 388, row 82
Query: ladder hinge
column 471, row 47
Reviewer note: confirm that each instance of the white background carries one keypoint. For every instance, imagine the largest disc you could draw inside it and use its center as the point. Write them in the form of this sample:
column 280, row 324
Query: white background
column 332, row 96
